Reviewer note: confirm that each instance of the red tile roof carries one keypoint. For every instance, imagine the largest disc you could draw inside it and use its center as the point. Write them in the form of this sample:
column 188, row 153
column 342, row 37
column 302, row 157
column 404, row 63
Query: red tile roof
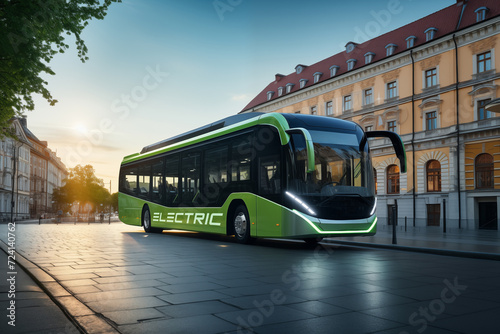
column 445, row 21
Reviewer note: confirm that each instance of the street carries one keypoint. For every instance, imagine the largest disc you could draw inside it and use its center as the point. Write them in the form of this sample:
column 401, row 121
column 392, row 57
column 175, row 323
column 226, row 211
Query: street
column 184, row 282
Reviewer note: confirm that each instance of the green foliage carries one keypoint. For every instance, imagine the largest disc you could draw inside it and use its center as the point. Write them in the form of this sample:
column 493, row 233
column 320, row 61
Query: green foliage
column 31, row 33
column 84, row 187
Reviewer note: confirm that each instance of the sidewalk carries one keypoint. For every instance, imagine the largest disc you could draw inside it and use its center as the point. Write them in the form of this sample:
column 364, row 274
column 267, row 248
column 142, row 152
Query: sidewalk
column 25, row 305
column 468, row 243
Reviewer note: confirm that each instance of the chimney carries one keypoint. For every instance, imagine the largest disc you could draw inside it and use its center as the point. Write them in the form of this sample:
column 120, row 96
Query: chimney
column 278, row 77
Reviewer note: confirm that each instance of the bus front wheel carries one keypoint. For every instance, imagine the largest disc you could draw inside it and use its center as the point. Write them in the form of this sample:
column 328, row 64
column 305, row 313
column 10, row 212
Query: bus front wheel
column 241, row 225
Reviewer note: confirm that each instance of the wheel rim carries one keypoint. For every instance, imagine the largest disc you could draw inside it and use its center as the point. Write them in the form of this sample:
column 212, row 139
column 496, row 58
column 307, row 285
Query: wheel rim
column 240, row 224
column 146, row 219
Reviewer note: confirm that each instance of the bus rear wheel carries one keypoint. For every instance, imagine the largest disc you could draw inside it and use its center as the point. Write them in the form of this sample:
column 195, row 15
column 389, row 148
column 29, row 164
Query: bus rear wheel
column 241, row 225
column 146, row 222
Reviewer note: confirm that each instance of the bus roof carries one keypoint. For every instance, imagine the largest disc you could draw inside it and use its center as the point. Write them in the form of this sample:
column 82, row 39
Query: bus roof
column 201, row 130
column 236, row 122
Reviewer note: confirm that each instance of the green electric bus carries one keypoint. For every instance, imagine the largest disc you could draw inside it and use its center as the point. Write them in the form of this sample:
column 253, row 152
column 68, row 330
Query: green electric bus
column 257, row 175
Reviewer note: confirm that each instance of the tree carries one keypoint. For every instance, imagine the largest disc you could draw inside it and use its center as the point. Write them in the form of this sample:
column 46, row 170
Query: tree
column 31, row 33
column 84, row 187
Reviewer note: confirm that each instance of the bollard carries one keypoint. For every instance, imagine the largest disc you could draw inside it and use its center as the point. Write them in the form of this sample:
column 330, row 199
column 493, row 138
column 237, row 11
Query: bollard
column 394, row 222
column 406, row 218
column 444, row 215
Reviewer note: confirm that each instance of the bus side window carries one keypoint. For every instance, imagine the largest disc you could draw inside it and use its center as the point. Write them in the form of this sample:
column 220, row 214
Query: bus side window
column 242, row 154
column 172, row 180
column 269, row 178
column 144, row 181
column 215, row 175
column 158, row 183
column 190, row 181
column 128, row 182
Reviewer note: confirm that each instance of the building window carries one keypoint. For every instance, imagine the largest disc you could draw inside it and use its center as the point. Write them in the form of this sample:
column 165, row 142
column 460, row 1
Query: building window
column 433, row 169
column 410, row 41
column 368, row 96
column 431, row 120
column 389, row 49
column 433, row 214
column 368, row 128
column 299, row 68
column 484, row 171
column 317, row 76
column 314, row 110
column 329, row 108
column 347, row 103
column 393, row 179
column 391, row 126
column 483, row 62
column 350, row 64
column 333, row 70
column 392, row 90
column 270, row 95
column 369, row 57
column 280, row 91
column 431, row 78
column 289, row 87
column 297, row 112
column 375, row 180
column 303, row 82
column 482, row 113
column 481, row 13
column 430, row 34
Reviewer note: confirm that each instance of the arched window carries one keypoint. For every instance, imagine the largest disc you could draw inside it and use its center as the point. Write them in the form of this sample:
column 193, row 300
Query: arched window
column 433, row 169
column 393, row 179
column 484, row 171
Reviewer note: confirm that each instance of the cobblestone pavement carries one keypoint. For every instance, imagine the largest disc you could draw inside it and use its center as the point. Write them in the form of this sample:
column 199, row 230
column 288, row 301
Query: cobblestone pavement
column 180, row 282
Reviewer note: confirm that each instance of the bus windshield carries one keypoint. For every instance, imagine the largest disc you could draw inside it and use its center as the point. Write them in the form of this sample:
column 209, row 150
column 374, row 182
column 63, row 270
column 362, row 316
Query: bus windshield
column 342, row 184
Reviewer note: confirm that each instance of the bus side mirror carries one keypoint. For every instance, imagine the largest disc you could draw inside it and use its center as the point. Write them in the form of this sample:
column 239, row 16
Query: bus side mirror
column 397, row 143
column 309, row 146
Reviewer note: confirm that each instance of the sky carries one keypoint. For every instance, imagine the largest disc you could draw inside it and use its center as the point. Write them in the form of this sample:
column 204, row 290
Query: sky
column 158, row 68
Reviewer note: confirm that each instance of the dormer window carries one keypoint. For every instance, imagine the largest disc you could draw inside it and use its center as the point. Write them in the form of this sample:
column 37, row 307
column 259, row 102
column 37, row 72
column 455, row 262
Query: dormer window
column 481, row 13
column 316, row 76
column 349, row 47
column 280, row 91
column 289, row 87
column 350, row 64
column 410, row 41
column 299, row 68
column 369, row 57
column 389, row 49
column 303, row 83
column 430, row 34
column 270, row 95
column 333, row 70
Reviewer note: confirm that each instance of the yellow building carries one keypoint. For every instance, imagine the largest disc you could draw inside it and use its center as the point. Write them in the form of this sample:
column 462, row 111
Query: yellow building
column 429, row 81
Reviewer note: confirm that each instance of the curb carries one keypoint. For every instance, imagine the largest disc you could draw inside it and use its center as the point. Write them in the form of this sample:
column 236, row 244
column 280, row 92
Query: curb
column 436, row 251
column 86, row 320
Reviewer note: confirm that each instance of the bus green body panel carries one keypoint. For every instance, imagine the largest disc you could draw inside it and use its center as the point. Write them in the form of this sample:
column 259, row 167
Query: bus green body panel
column 276, row 120
column 267, row 219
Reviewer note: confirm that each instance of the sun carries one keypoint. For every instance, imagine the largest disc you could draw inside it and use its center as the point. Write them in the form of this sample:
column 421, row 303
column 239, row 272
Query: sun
column 81, row 128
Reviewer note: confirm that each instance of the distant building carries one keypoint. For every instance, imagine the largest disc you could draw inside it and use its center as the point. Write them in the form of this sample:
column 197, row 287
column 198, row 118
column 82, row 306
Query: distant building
column 15, row 174
column 47, row 172
column 428, row 81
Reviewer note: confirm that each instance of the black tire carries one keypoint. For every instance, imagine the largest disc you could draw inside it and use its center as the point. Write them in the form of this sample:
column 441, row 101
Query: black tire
column 146, row 222
column 241, row 225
